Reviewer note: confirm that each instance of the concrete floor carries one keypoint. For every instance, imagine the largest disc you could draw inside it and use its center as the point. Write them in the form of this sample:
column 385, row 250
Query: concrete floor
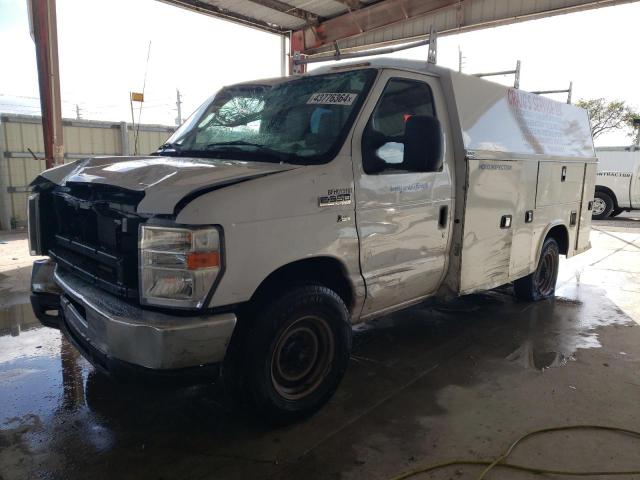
column 436, row 382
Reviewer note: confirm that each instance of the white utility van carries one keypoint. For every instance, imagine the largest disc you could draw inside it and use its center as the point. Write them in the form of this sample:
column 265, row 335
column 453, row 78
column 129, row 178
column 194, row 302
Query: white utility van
column 282, row 212
column 617, row 182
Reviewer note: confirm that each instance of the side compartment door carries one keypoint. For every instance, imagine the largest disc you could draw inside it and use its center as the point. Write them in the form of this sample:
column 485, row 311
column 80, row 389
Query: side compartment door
column 402, row 214
column 521, row 243
column 491, row 206
column 584, row 221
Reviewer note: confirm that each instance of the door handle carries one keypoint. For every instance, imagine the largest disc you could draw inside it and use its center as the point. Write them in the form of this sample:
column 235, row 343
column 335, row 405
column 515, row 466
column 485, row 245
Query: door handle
column 443, row 216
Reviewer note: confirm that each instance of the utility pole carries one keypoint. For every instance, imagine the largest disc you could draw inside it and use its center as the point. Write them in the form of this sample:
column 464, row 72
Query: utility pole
column 133, row 118
column 179, row 105
column 78, row 113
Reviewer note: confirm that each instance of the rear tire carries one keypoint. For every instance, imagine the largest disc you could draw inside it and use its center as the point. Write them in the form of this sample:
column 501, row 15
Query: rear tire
column 603, row 206
column 541, row 283
column 297, row 352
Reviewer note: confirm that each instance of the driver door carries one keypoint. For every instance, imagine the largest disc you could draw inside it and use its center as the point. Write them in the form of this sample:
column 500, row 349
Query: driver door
column 402, row 215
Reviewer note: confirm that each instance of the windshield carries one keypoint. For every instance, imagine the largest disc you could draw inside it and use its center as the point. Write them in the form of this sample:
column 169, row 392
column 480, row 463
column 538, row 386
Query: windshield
column 301, row 121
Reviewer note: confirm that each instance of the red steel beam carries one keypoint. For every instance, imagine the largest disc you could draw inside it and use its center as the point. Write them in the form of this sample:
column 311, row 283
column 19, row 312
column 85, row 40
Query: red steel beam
column 45, row 36
column 381, row 14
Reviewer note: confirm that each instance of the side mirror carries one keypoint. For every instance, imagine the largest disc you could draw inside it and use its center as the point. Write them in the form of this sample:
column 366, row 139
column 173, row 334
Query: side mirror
column 423, row 144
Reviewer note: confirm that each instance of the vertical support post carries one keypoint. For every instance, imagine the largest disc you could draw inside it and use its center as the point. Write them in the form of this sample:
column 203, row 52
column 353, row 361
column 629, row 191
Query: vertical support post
column 5, row 199
column 516, row 81
column 569, row 93
column 296, row 47
column 283, row 56
column 432, row 55
column 124, row 139
column 42, row 16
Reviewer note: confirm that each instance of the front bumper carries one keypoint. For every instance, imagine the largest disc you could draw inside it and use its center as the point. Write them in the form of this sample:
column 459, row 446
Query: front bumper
column 106, row 329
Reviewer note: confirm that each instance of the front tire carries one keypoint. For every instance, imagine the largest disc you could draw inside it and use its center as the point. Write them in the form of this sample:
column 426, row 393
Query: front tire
column 297, row 353
column 541, row 283
column 603, row 206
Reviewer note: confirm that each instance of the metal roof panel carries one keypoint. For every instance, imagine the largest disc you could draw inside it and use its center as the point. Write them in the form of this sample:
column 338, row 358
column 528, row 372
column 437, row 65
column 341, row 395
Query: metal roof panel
column 256, row 11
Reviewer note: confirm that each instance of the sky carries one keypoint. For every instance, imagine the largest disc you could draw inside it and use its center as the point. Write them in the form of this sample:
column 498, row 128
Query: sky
column 103, row 48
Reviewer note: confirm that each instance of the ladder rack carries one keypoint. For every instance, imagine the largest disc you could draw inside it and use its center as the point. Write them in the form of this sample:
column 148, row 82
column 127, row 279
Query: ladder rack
column 568, row 91
column 515, row 73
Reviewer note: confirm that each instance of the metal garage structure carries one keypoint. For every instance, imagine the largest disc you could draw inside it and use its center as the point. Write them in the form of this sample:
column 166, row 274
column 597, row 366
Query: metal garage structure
column 315, row 28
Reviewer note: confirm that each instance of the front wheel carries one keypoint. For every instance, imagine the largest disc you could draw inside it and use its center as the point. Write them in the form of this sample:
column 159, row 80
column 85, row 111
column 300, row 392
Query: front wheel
column 298, row 352
column 541, row 283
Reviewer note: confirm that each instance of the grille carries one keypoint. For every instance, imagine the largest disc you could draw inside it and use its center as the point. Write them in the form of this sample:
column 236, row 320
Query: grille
column 95, row 235
column 33, row 224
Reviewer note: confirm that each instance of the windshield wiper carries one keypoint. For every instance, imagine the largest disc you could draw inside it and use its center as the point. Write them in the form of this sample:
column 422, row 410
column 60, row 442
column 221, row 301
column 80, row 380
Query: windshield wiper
column 262, row 149
column 236, row 142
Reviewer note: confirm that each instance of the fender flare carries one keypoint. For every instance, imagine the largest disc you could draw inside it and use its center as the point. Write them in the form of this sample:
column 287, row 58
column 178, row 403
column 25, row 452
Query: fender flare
column 545, row 234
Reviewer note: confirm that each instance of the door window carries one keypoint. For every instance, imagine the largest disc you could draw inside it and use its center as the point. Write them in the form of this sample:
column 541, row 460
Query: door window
column 383, row 137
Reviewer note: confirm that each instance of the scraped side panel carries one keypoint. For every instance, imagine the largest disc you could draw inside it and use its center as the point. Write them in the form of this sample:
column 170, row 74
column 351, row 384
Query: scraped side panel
column 487, row 243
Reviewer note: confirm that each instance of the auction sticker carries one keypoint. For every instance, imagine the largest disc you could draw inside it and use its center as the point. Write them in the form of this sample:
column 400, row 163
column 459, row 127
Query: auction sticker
column 332, row 98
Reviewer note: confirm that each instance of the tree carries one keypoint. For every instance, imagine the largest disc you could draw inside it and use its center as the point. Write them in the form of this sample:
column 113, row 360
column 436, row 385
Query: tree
column 607, row 116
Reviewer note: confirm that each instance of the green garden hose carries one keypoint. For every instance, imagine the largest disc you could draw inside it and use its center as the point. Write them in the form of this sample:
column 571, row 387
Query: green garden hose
column 498, row 462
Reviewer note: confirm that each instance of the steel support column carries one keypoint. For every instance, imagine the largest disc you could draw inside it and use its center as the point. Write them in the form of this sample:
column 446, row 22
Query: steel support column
column 45, row 36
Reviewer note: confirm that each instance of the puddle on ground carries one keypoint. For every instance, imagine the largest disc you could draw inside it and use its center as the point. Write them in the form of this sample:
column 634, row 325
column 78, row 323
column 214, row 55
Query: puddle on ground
column 39, row 369
column 53, row 401
column 545, row 334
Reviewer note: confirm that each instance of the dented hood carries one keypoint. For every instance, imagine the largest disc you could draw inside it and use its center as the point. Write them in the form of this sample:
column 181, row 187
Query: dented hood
column 165, row 180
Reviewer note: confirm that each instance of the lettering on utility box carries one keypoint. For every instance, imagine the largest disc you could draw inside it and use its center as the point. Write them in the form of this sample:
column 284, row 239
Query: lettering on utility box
column 493, row 166
column 614, row 174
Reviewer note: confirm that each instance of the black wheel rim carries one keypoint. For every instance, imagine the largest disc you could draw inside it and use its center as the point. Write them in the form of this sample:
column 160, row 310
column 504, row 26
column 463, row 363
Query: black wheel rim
column 302, row 357
column 546, row 273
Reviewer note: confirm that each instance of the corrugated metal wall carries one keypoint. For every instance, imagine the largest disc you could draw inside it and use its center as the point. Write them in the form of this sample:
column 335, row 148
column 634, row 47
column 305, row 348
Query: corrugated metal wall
column 82, row 138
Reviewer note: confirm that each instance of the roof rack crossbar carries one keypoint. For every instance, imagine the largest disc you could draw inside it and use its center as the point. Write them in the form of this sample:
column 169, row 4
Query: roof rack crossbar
column 300, row 59
column 568, row 91
column 515, row 73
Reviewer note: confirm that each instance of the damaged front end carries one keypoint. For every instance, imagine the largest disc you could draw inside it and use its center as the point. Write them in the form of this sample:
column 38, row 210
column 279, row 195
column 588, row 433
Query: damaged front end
column 89, row 286
column 89, row 230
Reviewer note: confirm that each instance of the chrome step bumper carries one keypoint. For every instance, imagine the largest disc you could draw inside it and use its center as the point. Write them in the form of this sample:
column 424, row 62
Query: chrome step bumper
column 146, row 338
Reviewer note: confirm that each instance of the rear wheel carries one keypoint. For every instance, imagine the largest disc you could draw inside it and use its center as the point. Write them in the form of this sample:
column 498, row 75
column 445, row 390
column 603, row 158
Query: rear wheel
column 297, row 353
column 541, row 283
column 603, row 206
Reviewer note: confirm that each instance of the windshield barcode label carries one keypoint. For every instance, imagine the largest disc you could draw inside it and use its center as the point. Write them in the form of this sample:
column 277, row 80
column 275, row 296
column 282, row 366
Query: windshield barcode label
column 332, row 98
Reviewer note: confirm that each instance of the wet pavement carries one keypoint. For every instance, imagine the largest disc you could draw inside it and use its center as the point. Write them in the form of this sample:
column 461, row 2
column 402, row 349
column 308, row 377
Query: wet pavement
column 439, row 381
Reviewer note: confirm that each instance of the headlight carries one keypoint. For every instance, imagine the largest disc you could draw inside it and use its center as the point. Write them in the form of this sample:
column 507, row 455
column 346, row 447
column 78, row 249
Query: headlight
column 178, row 265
